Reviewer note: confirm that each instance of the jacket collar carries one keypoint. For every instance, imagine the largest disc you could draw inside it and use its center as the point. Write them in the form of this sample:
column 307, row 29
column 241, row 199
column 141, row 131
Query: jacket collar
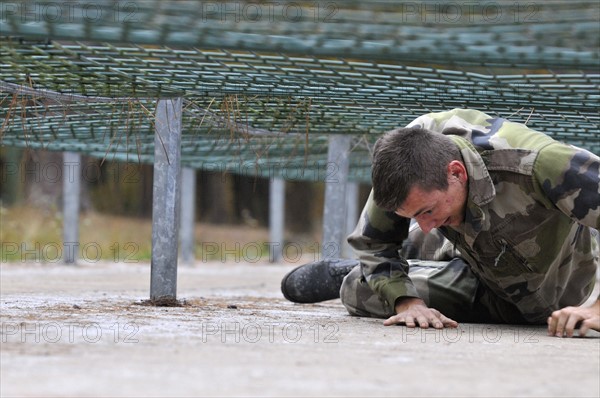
column 481, row 190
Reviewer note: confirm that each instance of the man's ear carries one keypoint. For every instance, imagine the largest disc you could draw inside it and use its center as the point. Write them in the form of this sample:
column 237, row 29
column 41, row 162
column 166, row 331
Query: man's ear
column 457, row 170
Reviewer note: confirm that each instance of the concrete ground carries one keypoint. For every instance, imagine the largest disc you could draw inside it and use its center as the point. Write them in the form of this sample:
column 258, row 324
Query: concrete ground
column 81, row 331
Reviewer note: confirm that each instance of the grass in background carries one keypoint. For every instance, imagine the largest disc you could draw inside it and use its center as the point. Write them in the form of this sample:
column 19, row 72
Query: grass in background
column 33, row 235
column 29, row 234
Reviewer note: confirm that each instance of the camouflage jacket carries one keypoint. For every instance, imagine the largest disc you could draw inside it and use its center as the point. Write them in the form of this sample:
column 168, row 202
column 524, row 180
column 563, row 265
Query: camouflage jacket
column 527, row 233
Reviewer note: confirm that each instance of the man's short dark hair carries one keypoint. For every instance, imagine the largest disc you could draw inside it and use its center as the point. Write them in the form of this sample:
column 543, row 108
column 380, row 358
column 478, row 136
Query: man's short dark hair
column 410, row 157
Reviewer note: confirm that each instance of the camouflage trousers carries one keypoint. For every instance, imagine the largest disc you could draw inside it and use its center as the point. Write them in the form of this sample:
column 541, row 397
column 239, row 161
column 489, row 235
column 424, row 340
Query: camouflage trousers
column 442, row 279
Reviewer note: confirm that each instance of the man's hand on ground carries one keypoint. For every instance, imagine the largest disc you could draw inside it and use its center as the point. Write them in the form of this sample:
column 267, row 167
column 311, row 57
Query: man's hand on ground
column 413, row 312
column 563, row 322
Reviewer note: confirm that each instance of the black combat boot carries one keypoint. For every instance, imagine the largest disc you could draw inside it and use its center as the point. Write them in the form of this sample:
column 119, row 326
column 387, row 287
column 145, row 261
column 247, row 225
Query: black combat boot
column 318, row 281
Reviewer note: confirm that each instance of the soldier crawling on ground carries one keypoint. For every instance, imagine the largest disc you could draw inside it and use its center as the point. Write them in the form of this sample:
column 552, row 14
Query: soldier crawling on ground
column 504, row 230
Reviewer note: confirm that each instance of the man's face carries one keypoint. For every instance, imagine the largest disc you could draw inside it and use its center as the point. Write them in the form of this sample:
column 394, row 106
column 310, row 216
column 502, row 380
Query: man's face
column 436, row 208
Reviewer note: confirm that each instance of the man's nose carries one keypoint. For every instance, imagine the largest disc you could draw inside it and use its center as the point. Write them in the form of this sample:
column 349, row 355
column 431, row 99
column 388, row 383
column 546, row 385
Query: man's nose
column 426, row 224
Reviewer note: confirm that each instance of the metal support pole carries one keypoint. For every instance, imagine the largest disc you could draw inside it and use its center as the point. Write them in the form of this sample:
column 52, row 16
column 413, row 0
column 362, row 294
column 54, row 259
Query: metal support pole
column 334, row 212
column 71, row 192
column 188, row 215
column 351, row 215
column 165, row 199
column 276, row 218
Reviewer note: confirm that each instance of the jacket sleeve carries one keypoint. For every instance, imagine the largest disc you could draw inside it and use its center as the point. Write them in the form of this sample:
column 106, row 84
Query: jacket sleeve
column 570, row 178
column 377, row 240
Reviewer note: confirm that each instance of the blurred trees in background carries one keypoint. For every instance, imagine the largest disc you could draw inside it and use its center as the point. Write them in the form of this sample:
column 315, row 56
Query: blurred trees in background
column 34, row 177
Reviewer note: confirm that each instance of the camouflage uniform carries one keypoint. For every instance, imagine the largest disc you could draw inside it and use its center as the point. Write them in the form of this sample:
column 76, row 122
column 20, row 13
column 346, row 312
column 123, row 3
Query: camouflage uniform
column 527, row 239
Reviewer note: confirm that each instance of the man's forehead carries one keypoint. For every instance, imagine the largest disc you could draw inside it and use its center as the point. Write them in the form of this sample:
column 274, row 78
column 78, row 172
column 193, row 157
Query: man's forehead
column 415, row 203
